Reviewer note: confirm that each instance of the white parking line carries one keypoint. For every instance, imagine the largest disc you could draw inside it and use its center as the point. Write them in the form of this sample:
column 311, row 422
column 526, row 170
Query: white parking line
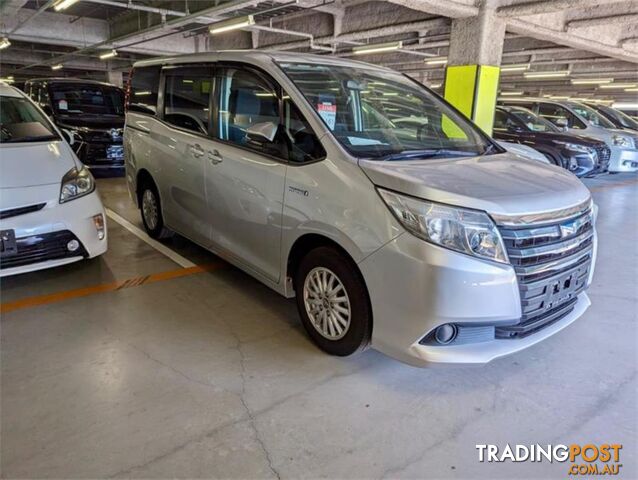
column 163, row 249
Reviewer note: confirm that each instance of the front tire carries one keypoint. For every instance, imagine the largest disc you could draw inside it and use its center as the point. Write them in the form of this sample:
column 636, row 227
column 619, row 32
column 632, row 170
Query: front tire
column 151, row 210
column 333, row 303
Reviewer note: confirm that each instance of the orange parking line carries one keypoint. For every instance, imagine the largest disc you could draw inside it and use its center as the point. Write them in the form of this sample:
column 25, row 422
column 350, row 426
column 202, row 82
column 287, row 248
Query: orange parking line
column 105, row 287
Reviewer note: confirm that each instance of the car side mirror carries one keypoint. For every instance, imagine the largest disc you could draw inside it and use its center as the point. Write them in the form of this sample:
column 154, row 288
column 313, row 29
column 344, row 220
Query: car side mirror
column 562, row 123
column 262, row 133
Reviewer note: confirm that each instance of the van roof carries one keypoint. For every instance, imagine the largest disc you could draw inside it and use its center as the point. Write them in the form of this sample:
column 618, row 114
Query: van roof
column 257, row 56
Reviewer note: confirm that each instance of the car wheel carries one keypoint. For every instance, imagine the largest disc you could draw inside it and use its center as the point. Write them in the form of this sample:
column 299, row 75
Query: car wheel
column 151, row 210
column 333, row 302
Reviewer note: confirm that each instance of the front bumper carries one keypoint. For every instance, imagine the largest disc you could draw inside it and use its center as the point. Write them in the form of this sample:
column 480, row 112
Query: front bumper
column 47, row 230
column 415, row 287
column 623, row 160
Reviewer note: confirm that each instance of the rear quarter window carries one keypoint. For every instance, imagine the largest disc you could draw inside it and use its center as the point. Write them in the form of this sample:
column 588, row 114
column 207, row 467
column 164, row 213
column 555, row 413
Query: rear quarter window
column 143, row 88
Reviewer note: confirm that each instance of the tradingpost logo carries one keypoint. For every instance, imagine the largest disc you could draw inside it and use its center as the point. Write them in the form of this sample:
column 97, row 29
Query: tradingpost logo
column 586, row 459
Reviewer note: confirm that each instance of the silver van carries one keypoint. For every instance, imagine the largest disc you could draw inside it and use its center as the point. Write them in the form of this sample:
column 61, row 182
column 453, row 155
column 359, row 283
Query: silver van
column 579, row 119
column 429, row 243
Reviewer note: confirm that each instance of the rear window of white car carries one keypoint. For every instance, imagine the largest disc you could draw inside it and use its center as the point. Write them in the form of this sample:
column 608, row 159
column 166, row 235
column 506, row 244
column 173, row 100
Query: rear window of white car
column 20, row 121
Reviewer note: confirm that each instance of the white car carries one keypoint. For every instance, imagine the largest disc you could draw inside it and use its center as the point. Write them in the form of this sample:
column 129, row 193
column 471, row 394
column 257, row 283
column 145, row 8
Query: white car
column 50, row 211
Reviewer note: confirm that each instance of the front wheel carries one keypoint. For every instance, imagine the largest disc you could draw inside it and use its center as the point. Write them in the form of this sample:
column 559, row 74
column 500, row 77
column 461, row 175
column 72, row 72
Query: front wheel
column 333, row 302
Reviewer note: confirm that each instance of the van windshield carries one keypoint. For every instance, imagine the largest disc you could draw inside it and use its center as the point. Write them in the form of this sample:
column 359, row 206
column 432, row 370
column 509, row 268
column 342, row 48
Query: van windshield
column 20, row 121
column 76, row 99
column 384, row 115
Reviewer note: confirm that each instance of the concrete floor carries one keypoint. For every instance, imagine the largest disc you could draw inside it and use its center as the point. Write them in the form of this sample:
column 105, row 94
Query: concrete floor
column 211, row 375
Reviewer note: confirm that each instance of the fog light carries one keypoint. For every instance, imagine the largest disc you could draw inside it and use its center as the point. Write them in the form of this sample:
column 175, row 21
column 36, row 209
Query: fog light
column 98, row 221
column 73, row 245
column 445, row 333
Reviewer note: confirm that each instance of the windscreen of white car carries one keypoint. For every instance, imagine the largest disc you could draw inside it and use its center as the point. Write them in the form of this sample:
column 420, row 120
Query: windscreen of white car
column 385, row 115
column 76, row 99
column 20, row 121
column 532, row 121
column 591, row 115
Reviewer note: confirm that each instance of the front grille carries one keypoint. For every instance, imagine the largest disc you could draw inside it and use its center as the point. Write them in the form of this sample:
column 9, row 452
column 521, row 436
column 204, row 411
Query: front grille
column 604, row 155
column 41, row 248
column 552, row 263
column 14, row 212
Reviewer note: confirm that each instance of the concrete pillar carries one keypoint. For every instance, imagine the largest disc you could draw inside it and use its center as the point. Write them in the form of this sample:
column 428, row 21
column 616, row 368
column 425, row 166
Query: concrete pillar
column 473, row 69
column 114, row 78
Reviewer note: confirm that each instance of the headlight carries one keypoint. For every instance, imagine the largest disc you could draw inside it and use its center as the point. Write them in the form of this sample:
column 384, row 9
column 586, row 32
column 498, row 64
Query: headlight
column 574, row 147
column 466, row 231
column 621, row 141
column 76, row 183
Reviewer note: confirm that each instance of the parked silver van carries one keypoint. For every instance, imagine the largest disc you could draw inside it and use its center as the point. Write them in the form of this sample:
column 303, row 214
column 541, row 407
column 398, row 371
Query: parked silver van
column 431, row 243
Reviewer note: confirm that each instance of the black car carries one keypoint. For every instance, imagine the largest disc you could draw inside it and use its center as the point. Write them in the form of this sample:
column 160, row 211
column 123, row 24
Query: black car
column 90, row 115
column 619, row 119
column 581, row 155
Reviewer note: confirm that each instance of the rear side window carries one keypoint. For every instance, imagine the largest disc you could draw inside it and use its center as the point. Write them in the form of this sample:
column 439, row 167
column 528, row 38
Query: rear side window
column 186, row 98
column 143, row 88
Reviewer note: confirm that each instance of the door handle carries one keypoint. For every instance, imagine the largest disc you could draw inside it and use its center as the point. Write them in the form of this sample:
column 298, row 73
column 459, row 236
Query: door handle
column 196, row 150
column 215, row 157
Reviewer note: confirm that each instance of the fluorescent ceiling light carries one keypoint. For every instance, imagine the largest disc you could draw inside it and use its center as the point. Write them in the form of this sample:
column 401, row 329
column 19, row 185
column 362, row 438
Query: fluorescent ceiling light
column 631, row 89
column 64, row 4
column 379, row 47
column 619, row 85
column 435, row 85
column 7, row 79
column 591, row 81
column 4, row 43
column 512, row 94
column 559, row 97
column 555, row 74
column 521, row 67
column 57, row 67
column 143, row 93
column 436, row 61
column 625, row 106
column 111, row 54
column 232, row 24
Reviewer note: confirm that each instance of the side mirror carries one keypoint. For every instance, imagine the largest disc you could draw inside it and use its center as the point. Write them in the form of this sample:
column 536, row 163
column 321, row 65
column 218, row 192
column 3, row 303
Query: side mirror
column 562, row 123
column 262, row 133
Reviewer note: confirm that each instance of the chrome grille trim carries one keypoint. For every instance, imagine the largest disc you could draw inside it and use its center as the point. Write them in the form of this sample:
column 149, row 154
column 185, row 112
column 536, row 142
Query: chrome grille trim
column 553, row 248
column 544, row 218
column 552, row 264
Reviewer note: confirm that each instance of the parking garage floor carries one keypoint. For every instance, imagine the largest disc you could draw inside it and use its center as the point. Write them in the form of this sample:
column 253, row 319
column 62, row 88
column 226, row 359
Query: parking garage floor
column 131, row 365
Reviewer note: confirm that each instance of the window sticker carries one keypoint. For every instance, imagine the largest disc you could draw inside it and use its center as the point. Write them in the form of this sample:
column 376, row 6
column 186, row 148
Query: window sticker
column 360, row 141
column 328, row 112
column 63, row 105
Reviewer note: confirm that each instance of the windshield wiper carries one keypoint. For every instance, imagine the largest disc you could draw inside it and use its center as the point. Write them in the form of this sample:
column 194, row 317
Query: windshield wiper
column 423, row 154
column 35, row 138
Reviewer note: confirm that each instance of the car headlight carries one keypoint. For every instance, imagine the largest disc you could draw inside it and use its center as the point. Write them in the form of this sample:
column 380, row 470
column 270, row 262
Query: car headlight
column 467, row 231
column 76, row 183
column 574, row 147
column 621, row 141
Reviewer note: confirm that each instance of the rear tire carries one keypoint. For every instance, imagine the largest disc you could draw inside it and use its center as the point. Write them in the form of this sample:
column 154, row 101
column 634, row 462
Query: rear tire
column 151, row 210
column 333, row 302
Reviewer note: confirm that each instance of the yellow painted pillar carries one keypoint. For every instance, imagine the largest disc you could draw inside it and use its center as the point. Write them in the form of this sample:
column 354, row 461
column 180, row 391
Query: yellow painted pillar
column 473, row 89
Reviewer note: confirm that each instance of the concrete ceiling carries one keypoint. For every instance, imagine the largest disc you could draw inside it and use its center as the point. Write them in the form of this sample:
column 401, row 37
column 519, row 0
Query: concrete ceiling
column 590, row 38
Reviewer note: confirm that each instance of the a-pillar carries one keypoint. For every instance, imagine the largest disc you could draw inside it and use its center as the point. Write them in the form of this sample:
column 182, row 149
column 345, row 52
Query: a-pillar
column 473, row 69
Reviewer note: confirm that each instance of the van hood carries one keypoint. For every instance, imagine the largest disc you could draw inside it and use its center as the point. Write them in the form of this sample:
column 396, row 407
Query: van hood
column 503, row 184
column 31, row 164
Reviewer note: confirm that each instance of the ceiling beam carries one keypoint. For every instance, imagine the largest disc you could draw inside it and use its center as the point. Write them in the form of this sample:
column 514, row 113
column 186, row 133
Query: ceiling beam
column 548, row 6
column 620, row 19
column 450, row 9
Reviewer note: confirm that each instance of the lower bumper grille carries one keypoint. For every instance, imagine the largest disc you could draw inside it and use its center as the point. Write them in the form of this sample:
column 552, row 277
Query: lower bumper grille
column 41, row 248
column 553, row 264
column 604, row 156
